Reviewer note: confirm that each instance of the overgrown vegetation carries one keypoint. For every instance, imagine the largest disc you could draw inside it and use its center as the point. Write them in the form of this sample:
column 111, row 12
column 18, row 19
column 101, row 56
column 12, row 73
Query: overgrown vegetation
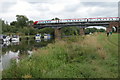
column 91, row 56
column 24, row 26
column 92, row 30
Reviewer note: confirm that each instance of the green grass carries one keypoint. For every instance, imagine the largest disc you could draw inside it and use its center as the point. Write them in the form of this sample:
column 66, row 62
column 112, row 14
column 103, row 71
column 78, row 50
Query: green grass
column 92, row 56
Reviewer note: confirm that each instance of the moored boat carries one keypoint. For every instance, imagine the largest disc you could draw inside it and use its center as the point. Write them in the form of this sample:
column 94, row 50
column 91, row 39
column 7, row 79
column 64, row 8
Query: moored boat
column 5, row 38
column 46, row 36
column 15, row 38
column 38, row 36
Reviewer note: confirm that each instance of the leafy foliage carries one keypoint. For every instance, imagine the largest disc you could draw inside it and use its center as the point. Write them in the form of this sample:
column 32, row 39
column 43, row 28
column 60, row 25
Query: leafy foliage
column 21, row 21
column 70, row 31
column 47, row 31
column 22, row 25
column 56, row 18
column 92, row 30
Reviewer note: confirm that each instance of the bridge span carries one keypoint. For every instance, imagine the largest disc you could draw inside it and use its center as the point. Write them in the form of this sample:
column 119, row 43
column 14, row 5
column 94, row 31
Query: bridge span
column 82, row 23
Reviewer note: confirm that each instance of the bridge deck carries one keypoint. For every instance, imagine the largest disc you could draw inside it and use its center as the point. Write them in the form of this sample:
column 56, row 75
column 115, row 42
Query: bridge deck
column 78, row 24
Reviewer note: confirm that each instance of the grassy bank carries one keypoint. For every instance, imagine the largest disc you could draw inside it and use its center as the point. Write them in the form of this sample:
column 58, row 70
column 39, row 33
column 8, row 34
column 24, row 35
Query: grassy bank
column 91, row 56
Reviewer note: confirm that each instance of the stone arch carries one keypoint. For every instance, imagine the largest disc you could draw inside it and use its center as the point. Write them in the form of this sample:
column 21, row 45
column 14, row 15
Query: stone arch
column 113, row 24
column 114, row 29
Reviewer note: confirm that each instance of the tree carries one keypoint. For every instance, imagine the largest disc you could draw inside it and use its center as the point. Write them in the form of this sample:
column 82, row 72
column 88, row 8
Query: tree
column 25, row 30
column 13, row 23
column 30, row 23
column 13, row 29
column 56, row 18
column 93, row 30
column 21, row 20
column 47, row 31
column 70, row 31
column 87, row 31
column 101, row 30
column 0, row 26
column 5, row 27
column 33, row 31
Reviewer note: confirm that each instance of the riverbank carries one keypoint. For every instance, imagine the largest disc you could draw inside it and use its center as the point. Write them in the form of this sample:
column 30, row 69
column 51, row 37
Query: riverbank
column 91, row 56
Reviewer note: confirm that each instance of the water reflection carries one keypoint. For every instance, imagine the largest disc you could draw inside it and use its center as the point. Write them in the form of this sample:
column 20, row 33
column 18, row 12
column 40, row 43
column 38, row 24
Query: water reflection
column 19, row 50
column 7, row 57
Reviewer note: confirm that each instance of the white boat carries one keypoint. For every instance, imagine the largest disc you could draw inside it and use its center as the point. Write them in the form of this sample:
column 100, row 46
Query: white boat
column 6, row 38
column 15, row 38
column 6, row 43
column 38, row 37
column 46, row 36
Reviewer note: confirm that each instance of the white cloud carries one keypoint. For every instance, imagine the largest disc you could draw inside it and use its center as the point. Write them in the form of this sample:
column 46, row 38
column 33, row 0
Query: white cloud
column 48, row 9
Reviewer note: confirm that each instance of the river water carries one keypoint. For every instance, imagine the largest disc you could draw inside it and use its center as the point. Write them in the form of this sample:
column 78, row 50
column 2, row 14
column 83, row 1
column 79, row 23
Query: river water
column 20, row 50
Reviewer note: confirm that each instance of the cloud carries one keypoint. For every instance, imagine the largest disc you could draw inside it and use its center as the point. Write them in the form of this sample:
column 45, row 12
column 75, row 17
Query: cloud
column 101, row 4
column 48, row 9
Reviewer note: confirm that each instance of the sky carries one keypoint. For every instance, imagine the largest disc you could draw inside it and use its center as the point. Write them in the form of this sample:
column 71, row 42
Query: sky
column 63, row 9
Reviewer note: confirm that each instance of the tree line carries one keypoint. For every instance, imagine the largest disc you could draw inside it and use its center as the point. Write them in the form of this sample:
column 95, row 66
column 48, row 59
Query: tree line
column 24, row 26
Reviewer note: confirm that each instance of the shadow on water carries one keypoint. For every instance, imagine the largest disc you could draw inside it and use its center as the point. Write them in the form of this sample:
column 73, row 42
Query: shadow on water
column 20, row 50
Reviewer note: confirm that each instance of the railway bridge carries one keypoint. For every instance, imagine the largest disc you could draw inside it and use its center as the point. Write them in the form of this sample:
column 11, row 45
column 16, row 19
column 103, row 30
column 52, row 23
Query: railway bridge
column 82, row 23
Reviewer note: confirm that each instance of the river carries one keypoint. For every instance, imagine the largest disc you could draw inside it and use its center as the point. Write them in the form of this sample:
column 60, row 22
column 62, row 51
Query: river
column 20, row 50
